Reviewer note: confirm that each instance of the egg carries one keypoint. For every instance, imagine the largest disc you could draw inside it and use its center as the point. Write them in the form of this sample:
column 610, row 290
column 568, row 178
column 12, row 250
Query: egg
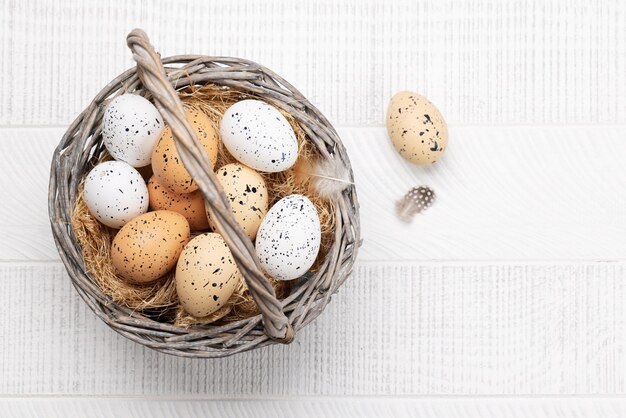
column 206, row 275
column 115, row 193
column 259, row 136
column 190, row 205
column 247, row 194
column 416, row 128
column 289, row 238
column 131, row 126
column 147, row 247
column 166, row 162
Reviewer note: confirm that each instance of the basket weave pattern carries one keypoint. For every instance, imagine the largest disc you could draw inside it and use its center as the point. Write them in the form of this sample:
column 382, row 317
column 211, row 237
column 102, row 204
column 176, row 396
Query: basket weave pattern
column 159, row 80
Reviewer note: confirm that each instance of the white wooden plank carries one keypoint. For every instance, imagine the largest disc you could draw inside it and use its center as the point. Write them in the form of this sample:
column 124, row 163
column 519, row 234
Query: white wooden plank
column 340, row 407
column 393, row 329
column 504, row 193
column 484, row 61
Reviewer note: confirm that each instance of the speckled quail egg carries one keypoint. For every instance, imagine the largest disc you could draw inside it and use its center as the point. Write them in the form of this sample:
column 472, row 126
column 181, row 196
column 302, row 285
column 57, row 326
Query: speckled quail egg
column 147, row 247
column 167, row 165
column 259, row 136
column 206, row 275
column 247, row 194
column 131, row 127
column 115, row 193
column 190, row 205
column 289, row 238
column 416, row 128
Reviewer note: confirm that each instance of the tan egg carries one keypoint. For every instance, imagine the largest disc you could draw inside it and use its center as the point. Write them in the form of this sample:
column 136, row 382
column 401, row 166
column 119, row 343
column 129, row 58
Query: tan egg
column 247, row 193
column 166, row 162
column 416, row 128
column 206, row 275
column 148, row 246
column 190, row 205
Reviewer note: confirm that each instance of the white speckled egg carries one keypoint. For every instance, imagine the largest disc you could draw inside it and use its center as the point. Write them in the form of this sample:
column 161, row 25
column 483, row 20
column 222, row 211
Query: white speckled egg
column 206, row 275
column 259, row 136
column 289, row 238
column 247, row 193
column 115, row 193
column 131, row 127
column 416, row 128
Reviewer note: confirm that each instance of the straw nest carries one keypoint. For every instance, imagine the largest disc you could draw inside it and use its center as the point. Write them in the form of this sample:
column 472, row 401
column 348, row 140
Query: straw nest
column 149, row 315
column 159, row 299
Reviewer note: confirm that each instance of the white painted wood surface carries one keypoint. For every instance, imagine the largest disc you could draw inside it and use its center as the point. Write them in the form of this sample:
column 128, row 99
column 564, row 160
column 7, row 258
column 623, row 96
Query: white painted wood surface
column 504, row 193
column 480, row 61
column 417, row 329
column 339, row 407
column 513, row 284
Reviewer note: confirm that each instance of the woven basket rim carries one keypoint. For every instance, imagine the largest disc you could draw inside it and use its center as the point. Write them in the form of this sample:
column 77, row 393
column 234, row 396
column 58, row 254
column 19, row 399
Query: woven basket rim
column 82, row 142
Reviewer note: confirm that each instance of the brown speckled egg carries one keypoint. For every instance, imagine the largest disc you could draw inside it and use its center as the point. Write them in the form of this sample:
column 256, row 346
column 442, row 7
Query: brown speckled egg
column 206, row 275
column 247, row 194
column 166, row 162
column 148, row 246
column 416, row 128
column 190, row 205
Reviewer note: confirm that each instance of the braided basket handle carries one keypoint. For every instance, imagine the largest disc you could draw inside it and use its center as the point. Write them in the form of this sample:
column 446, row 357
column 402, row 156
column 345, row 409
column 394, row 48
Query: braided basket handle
column 152, row 74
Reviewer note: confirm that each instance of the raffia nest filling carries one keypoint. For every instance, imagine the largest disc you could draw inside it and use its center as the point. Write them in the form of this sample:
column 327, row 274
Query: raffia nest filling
column 265, row 313
column 159, row 299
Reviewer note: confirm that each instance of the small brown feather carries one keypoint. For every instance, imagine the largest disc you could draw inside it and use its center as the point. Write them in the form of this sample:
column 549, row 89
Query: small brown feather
column 415, row 201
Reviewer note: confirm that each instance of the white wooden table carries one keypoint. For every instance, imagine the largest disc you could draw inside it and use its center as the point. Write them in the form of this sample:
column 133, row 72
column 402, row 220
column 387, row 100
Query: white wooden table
column 506, row 298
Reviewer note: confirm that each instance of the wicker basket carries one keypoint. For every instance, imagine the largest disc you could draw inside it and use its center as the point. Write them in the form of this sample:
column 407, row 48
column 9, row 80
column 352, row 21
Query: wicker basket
column 159, row 79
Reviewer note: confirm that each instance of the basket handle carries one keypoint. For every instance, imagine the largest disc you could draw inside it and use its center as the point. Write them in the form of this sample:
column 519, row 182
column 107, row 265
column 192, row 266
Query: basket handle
column 152, row 74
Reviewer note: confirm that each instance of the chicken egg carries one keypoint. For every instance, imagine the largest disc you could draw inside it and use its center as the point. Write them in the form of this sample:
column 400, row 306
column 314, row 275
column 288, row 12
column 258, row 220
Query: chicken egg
column 259, row 136
column 206, row 275
column 131, row 126
column 190, row 205
column 147, row 247
column 247, row 194
column 167, row 165
column 115, row 193
column 416, row 128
